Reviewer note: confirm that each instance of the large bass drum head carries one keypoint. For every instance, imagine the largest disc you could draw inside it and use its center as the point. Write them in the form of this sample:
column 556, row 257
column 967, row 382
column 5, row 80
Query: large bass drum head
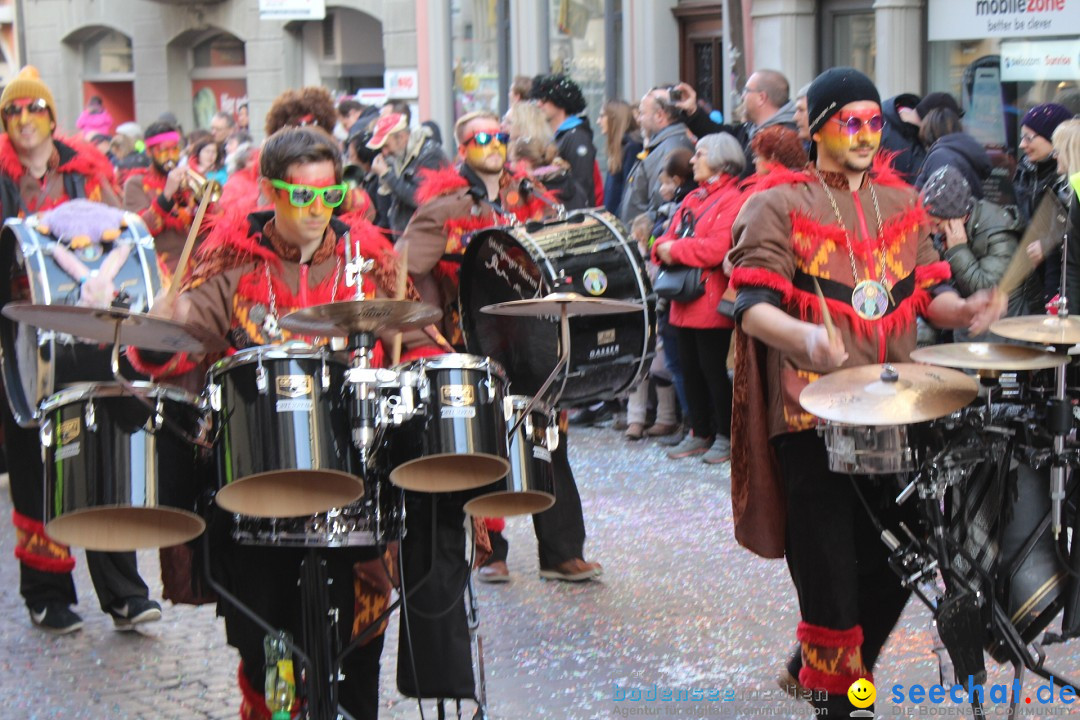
column 609, row 353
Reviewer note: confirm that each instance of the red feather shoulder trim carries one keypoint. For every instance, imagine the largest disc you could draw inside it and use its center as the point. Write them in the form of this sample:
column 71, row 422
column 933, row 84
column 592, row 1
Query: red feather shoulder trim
column 443, row 181
column 88, row 160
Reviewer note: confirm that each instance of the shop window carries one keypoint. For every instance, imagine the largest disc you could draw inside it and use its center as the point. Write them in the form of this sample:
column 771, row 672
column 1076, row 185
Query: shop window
column 474, row 44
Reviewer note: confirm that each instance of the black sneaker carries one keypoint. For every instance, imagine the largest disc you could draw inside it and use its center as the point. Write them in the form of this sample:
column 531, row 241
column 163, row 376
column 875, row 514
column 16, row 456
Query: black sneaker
column 56, row 618
column 134, row 610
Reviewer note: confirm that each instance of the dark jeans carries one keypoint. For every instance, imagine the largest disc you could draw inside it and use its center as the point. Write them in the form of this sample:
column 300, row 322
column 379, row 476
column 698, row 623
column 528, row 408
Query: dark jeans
column 703, row 354
column 115, row 575
column 836, row 558
column 560, row 530
column 670, row 335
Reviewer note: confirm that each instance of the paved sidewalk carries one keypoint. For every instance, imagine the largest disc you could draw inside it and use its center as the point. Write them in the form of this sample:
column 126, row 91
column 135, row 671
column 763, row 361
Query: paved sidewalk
column 680, row 606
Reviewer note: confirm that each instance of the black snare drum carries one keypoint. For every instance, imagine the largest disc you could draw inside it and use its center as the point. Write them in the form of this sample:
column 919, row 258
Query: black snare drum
column 117, row 478
column 529, row 488
column 37, row 362
column 282, row 424
column 373, row 520
column 609, row 353
column 457, row 440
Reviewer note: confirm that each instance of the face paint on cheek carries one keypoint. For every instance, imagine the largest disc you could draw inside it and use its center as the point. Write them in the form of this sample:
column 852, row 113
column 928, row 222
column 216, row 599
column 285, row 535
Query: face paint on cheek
column 836, row 139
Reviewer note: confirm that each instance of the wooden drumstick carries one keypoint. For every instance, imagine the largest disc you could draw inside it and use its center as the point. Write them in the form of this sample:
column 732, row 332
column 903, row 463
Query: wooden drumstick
column 1042, row 225
column 185, row 256
column 399, row 294
column 830, row 329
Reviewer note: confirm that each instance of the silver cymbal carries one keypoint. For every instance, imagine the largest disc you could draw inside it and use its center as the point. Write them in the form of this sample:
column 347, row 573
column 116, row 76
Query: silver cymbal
column 99, row 325
column 988, row 356
column 552, row 303
column 341, row 319
column 1045, row 329
column 896, row 394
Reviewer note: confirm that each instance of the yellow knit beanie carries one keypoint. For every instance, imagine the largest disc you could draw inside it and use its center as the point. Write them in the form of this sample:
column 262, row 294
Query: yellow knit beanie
column 27, row 84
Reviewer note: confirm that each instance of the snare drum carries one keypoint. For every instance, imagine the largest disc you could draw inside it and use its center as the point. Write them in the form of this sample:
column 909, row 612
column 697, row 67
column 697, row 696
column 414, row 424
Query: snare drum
column 868, row 450
column 457, row 439
column 116, row 477
column 529, row 488
column 374, row 520
column 36, row 362
column 283, row 445
column 609, row 354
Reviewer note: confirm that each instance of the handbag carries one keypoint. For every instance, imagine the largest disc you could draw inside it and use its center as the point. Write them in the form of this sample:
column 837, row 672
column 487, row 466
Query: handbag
column 679, row 283
column 682, row 283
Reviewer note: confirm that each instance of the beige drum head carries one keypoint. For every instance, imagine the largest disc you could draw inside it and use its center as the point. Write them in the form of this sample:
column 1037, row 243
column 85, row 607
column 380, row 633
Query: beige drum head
column 449, row 472
column 290, row 493
column 507, row 504
column 125, row 528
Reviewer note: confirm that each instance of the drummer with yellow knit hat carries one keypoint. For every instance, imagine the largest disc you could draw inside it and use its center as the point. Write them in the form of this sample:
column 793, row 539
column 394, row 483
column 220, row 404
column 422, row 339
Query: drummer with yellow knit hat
column 39, row 171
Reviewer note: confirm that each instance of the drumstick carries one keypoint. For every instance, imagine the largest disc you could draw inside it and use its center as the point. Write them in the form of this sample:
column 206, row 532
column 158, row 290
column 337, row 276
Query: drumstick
column 1020, row 265
column 830, row 329
column 399, row 294
column 181, row 267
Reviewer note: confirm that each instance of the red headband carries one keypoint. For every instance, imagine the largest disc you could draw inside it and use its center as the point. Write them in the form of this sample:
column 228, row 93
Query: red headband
column 162, row 138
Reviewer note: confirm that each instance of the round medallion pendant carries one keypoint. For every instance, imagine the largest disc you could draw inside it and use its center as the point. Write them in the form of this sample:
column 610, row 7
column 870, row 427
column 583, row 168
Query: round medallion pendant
column 870, row 300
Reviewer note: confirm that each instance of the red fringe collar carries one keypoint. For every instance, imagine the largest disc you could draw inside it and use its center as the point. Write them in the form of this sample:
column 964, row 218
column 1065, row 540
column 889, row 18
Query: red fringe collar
column 75, row 156
column 435, row 183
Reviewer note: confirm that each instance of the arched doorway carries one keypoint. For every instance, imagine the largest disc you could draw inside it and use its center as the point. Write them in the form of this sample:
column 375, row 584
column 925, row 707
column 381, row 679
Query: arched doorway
column 108, row 69
column 347, row 47
column 218, row 72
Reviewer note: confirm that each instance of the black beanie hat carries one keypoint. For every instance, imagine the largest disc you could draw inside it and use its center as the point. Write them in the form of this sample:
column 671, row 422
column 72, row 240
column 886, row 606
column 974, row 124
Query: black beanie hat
column 835, row 88
column 947, row 194
column 1045, row 118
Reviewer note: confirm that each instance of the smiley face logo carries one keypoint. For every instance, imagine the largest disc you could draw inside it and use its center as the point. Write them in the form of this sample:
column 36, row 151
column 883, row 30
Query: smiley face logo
column 862, row 693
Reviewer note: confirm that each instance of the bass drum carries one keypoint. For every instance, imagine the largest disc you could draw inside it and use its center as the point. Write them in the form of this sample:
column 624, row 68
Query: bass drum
column 589, row 254
column 38, row 362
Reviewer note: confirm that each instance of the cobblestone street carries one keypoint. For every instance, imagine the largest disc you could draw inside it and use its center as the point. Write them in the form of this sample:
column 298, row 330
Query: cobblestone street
column 680, row 606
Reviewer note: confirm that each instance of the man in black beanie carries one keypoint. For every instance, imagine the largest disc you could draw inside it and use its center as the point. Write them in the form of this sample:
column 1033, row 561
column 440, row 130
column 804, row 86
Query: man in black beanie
column 852, row 225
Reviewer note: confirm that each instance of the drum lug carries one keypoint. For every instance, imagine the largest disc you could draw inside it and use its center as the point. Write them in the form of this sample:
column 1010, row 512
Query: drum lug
column 528, row 426
column 325, row 374
column 91, row 417
column 552, row 437
column 508, row 408
column 215, row 398
column 159, row 417
column 260, row 379
column 46, row 432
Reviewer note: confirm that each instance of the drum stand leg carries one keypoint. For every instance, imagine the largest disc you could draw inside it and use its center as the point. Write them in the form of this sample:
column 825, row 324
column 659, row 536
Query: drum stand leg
column 478, row 654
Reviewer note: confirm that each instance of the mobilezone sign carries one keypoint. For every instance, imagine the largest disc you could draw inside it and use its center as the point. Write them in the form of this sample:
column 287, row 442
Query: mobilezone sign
column 974, row 19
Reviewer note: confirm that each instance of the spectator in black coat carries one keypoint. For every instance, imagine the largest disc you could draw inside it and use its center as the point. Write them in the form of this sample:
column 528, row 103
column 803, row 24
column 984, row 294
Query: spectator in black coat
column 563, row 104
column 947, row 144
column 901, row 135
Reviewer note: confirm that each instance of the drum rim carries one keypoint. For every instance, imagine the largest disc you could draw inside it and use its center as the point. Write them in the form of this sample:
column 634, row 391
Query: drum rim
column 272, row 352
column 79, row 392
column 444, row 362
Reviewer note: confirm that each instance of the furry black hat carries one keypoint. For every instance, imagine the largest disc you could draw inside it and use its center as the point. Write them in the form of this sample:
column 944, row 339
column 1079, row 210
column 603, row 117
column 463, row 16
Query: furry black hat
column 560, row 91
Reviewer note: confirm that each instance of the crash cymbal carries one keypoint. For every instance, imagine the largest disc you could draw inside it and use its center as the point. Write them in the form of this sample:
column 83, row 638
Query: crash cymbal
column 988, row 356
column 551, row 304
column 1045, row 329
column 99, row 325
column 341, row 319
column 896, row 394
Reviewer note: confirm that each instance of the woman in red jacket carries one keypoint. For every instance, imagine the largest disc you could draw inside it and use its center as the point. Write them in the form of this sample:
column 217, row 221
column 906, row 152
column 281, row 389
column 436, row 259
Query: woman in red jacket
column 700, row 236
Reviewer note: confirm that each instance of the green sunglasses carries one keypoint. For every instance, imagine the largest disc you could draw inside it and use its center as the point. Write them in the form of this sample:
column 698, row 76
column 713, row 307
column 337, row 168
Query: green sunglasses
column 303, row 195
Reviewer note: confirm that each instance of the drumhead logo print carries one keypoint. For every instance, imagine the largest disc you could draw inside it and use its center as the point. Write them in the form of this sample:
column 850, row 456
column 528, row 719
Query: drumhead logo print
column 595, row 281
column 294, row 386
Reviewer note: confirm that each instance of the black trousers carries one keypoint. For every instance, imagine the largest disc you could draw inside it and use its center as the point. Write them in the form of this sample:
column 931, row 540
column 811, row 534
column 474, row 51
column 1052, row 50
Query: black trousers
column 434, row 634
column 836, row 558
column 560, row 530
column 115, row 575
column 703, row 355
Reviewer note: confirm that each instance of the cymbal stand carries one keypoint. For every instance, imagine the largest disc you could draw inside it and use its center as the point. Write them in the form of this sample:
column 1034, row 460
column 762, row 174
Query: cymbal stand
column 159, row 418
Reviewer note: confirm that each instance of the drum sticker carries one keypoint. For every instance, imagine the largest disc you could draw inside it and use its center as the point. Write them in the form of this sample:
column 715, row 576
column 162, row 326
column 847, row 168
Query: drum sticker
column 603, row 352
column 595, row 281
column 458, row 395
column 67, row 433
column 294, row 387
column 541, row 453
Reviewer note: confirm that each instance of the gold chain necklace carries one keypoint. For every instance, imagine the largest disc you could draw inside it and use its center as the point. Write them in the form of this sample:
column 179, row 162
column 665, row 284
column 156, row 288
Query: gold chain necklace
column 870, row 298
